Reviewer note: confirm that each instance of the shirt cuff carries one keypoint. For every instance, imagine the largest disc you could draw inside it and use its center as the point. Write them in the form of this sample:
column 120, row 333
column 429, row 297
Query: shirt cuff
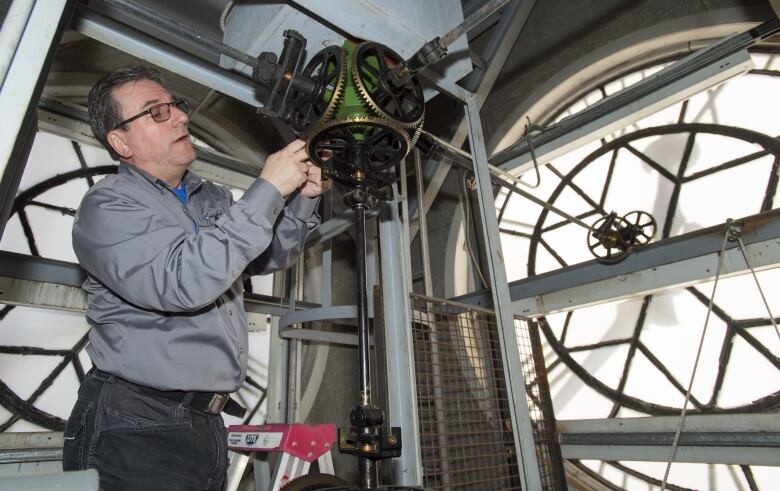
column 263, row 197
column 302, row 207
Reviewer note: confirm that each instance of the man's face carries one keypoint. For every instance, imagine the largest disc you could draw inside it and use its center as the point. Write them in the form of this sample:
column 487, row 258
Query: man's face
column 154, row 147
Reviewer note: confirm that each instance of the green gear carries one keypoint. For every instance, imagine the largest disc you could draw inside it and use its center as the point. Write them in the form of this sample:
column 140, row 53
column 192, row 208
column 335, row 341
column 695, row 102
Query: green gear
column 352, row 103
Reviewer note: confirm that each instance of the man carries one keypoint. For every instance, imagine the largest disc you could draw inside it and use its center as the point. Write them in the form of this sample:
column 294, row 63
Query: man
column 164, row 251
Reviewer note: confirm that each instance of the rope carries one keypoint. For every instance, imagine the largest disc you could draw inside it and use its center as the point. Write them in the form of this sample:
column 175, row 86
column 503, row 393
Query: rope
column 681, row 421
column 763, row 297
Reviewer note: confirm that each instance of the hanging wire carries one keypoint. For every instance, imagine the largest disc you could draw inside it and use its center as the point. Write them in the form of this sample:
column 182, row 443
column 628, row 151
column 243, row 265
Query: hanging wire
column 763, row 297
column 466, row 220
column 681, row 421
column 531, row 131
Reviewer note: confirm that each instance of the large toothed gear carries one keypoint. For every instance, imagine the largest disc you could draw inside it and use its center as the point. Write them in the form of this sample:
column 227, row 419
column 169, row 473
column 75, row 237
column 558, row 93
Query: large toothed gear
column 612, row 238
column 383, row 144
column 642, row 227
column 371, row 64
column 328, row 70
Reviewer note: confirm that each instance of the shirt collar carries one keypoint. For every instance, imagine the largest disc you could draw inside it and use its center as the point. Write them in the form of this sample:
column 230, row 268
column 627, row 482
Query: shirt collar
column 191, row 180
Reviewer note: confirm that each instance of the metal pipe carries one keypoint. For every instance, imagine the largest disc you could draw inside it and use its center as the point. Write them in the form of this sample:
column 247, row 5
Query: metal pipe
column 367, row 468
column 131, row 7
column 421, row 217
column 11, row 33
column 473, row 20
column 460, row 156
column 367, row 473
column 362, row 304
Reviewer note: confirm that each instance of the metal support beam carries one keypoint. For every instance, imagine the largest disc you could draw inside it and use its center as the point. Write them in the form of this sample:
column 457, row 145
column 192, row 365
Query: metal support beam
column 625, row 107
column 22, row 85
column 401, row 382
column 673, row 263
column 502, row 40
column 744, row 439
column 389, row 23
column 528, row 466
column 319, row 336
column 40, row 282
column 333, row 312
column 18, row 448
column 126, row 39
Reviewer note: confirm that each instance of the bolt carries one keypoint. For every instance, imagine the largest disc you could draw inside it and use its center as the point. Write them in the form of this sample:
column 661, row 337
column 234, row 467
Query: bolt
column 294, row 444
column 392, row 440
column 309, row 454
column 313, row 443
column 327, row 445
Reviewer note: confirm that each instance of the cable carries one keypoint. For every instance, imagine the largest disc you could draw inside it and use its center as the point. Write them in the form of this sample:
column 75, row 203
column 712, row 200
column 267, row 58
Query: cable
column 466, row 220
column 766, row 304
column 530, row 132
column 681, row 421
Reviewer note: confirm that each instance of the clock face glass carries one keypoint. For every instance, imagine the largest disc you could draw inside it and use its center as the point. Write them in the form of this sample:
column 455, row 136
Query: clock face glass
column 688, row 166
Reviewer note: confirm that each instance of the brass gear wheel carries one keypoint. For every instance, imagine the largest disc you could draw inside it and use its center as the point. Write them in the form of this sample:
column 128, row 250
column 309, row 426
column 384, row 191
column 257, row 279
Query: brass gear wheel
column 405, row 105
column 606, row 241
column 383, row 144
column 328, row 69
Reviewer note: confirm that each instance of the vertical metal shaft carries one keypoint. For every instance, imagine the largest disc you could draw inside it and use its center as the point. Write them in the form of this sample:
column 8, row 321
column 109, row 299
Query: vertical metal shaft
column 367, row 468
column 362, row 304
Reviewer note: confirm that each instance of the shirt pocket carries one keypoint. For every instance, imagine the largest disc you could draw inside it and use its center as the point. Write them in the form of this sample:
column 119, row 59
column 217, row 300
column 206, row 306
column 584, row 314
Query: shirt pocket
column 209, row 216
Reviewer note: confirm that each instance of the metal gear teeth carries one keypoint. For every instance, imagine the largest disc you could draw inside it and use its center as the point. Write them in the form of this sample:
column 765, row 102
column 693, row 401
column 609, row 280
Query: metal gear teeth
column 336, row 96
column 338, row 91
column 363, row 93
column 645, row 214
column 363, row 118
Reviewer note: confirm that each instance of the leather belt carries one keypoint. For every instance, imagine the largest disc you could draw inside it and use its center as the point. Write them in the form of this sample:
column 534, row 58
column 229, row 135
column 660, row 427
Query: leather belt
column 208, row 402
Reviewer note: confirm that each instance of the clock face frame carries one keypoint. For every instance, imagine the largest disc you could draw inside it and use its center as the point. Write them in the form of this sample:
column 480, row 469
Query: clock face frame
column 671, row 158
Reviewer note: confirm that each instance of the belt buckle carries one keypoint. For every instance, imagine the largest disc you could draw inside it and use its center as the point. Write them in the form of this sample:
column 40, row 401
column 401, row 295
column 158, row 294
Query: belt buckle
column 217, row 403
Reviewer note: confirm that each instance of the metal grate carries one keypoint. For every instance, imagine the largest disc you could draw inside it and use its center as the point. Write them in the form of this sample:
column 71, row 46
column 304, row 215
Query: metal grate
column 466, row 439
column 540, row 408
column 465, row 425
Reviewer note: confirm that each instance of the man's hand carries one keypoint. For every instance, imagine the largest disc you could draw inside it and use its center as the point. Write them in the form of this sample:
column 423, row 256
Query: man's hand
column 314, row 185
column 288, row 169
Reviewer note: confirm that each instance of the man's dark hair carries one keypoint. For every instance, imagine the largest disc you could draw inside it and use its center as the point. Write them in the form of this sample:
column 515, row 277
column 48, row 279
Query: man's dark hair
column 104, row 111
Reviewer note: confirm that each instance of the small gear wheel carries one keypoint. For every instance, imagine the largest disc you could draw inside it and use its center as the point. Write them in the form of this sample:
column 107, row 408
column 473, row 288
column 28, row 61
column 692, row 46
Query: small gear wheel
column 606, row 240
column 641, row 227
column 327, row 70
column 371, row 64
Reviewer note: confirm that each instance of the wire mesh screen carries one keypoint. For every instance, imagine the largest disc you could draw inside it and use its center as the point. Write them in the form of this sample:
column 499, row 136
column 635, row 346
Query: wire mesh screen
column 540, row 409
column 465, row 424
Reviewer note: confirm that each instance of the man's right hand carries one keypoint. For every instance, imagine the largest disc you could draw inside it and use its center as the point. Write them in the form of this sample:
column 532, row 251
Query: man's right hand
column 287, row 168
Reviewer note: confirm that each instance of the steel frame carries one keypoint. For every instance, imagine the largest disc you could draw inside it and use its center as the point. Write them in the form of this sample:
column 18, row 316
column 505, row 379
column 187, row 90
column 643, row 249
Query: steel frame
column 742, row 439
column 22, row 84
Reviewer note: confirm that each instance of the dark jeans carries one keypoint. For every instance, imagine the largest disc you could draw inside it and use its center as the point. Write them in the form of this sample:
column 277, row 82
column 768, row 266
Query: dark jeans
column 138, row 441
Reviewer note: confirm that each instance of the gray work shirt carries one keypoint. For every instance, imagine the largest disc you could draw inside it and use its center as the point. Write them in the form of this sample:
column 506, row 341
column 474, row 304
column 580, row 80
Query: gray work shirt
column 165, row 298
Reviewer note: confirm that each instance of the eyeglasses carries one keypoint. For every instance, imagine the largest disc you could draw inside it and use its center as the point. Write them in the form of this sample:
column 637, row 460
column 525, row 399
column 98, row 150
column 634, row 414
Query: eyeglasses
column 159, row 112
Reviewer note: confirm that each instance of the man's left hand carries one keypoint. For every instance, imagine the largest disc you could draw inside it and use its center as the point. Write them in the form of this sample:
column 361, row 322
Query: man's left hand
column 314, row 185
